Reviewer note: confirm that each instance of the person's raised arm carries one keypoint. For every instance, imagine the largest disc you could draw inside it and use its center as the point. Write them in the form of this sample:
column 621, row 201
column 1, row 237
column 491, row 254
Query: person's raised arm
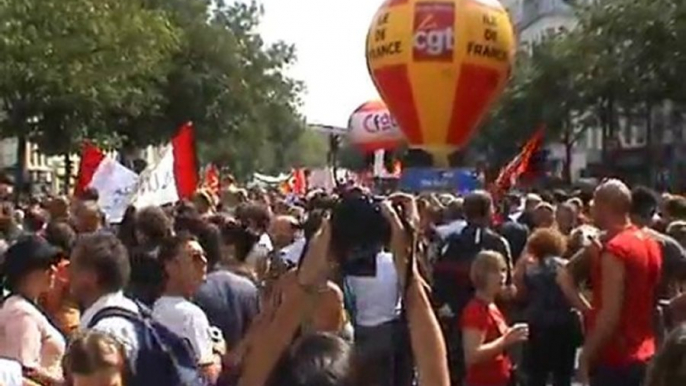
column 426, row 337
column 268, row 346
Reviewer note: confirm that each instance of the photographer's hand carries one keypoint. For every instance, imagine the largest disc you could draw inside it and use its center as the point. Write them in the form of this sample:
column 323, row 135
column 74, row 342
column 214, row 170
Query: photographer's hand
column 400, row 243
column 409, row 205
column 315, row 266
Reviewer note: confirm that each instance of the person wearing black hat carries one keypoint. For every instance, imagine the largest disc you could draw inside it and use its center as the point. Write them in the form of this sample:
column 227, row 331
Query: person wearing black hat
column 26, row 333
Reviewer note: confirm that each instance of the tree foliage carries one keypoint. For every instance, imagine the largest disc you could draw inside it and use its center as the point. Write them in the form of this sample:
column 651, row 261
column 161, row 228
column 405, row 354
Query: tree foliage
column 128, row 73
column 66, row 61
column 624, row 57
column 229, row 83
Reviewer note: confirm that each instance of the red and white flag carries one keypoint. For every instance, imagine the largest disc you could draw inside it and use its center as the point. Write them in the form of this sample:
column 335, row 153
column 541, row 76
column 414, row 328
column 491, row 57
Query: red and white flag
column 114, row 182
column 174, row 177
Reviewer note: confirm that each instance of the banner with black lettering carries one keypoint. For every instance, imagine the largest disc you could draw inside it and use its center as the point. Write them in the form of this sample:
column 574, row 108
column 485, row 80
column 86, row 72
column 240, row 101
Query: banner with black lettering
column 174, row 177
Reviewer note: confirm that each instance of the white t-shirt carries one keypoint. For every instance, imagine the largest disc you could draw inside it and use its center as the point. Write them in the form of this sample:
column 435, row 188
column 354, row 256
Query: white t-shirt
column 376, row 299
column 10, row 373
column 189, row 322
column 260, row 250
column 120, row 328
column 293, row 251
column 452, row 228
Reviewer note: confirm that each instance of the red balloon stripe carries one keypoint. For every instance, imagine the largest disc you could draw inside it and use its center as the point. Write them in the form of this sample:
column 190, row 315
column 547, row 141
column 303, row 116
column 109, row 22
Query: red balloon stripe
column 394, row 80
column 477, row 84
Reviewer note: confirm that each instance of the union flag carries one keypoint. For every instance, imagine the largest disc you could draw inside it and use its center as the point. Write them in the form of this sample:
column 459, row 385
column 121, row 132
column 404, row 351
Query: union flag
column 510, row 173
column 211, row 180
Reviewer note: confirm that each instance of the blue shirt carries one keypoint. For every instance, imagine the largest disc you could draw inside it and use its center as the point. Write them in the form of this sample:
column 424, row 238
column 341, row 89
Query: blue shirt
column 230, row 302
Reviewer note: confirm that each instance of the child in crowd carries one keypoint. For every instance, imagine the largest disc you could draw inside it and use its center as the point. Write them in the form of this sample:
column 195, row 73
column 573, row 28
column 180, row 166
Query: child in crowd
column 95, row 359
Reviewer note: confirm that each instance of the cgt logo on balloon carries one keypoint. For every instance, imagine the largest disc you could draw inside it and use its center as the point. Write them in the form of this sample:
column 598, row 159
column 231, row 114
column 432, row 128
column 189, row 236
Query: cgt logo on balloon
column 372, row 127
column 434, row 32
column 379, row 123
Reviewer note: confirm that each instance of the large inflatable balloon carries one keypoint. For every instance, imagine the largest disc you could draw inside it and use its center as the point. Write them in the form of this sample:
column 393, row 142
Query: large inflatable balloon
column 373, row 128
column 439, row 65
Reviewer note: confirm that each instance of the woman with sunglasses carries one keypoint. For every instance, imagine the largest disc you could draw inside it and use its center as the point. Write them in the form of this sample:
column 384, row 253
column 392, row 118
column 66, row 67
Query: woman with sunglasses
column 26, row 334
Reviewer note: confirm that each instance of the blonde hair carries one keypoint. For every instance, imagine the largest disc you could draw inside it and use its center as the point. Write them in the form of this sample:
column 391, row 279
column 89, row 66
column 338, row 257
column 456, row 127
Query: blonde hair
column 92, row 351
column 486, row 262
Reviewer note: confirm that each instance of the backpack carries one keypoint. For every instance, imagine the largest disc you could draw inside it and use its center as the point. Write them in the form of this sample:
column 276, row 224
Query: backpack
column 452, row 284
column 162, row 358
column 547, row 304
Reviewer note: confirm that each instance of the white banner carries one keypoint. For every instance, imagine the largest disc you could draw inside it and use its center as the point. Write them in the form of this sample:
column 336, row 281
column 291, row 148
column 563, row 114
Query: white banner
column 115, row 184
column 322, row 179
column 157, row 184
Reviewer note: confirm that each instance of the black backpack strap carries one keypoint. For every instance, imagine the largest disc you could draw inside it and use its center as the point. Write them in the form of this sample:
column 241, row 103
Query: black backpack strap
column 114, row 312
column 143, row 314
column 144, row 317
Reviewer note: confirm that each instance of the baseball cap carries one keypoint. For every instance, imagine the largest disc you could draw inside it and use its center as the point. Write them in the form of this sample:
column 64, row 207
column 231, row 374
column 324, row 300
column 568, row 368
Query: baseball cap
column 27, row 254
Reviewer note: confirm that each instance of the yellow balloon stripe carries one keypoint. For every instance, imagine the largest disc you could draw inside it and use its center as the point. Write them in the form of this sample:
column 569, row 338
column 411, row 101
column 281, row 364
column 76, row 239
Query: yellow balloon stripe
column 427, row 43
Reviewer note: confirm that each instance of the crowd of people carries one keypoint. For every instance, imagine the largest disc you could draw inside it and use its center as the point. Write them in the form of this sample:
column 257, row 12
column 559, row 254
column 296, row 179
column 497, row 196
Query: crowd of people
column 347, row 288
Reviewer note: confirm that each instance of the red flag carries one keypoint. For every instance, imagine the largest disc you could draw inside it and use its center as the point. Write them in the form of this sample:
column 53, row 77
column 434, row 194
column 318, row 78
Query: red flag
column 509, row 174
column 185, row 161
column 91, row 157
column 211, row 181
column 299, row 182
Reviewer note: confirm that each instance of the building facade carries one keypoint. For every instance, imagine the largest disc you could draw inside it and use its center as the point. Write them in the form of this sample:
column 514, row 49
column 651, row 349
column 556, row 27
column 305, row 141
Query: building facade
column 644, row 152
column 534, row 20
column 41, row 171
column 48, row 174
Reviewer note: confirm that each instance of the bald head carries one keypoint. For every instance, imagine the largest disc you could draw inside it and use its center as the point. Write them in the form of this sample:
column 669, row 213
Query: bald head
column 88, row 216
column 611, row 203
column 282, row 230
column 615, row 195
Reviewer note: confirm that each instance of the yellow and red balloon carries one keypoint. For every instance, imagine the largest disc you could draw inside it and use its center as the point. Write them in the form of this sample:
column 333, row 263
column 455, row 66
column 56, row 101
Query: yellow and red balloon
column 372, row 127
column 439, row 65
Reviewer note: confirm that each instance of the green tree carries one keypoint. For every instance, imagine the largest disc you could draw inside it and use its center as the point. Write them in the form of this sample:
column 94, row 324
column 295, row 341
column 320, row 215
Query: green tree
column 309, row 150
column 624, row 59
column 229, row 83
column 66, row 61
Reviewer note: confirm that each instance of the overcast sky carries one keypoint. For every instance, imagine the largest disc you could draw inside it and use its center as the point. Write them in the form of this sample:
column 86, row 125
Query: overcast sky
column 330, row 39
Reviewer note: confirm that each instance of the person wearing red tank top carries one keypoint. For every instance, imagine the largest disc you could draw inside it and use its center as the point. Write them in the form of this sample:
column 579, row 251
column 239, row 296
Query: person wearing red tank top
column 625, row 273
